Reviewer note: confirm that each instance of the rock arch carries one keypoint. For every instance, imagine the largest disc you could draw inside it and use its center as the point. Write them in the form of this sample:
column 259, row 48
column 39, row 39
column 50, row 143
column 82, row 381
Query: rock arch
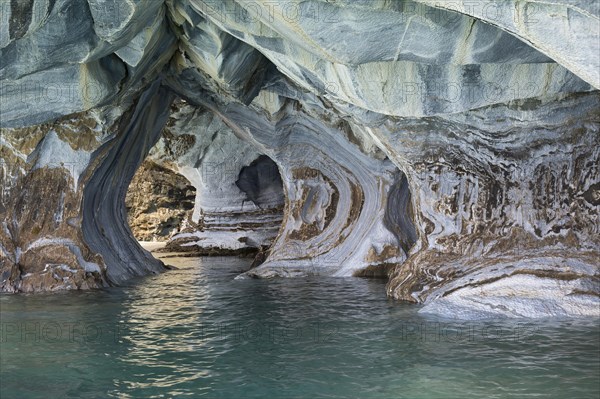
column 493, row 125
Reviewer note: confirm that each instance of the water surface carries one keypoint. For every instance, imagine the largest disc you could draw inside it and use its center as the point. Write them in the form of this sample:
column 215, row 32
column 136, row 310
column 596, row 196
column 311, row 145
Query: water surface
column 196, row 332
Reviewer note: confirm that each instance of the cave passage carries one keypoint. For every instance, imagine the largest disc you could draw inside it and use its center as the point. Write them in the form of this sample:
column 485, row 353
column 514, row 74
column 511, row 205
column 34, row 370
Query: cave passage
column 187, row 196
column 160, row 204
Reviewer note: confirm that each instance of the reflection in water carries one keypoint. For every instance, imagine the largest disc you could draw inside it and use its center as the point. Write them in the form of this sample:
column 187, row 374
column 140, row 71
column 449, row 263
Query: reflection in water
column 159, row 325
column 198, row 332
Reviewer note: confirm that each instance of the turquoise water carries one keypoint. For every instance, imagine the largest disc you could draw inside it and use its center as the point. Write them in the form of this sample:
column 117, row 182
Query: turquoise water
column 195, row 332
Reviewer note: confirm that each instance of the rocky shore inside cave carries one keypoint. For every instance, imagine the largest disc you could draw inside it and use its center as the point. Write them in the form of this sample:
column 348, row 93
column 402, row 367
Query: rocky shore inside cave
column 452, row 150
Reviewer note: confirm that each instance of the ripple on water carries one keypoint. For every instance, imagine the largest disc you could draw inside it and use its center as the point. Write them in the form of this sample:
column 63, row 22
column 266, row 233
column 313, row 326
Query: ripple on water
column 196, row 332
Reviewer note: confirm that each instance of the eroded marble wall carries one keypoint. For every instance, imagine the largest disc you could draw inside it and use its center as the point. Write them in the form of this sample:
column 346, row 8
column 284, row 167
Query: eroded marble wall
column 454, row 147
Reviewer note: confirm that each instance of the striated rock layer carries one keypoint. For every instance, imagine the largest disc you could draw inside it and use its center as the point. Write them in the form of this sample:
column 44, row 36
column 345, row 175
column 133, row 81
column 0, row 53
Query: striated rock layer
column 513, row 201
column 453, row 147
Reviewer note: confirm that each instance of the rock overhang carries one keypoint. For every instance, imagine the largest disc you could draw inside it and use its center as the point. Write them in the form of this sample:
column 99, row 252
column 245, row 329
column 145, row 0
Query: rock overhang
column 490, row 121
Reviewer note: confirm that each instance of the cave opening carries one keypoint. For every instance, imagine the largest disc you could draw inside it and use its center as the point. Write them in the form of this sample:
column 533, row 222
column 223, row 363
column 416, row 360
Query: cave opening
column 261, row 182
column 187, row 197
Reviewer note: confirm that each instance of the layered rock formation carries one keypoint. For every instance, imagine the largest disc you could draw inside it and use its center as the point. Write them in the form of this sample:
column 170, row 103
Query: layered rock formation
column 455, row 146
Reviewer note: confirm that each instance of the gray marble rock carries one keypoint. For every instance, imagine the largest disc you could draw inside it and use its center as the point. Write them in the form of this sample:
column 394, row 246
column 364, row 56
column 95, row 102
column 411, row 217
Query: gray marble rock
column 452, row 146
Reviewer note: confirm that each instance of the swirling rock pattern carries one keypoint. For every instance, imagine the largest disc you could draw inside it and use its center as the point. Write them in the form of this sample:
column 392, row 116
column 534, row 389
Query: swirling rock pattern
column 514, row 201
column 451, row 146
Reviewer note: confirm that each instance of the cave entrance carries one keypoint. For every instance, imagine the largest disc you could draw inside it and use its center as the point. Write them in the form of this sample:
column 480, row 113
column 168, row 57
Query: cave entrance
column 162, row 215
column 203, row 191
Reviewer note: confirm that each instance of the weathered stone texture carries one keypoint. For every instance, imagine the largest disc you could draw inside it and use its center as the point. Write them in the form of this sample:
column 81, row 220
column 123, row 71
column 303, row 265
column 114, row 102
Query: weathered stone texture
column 453, row 146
